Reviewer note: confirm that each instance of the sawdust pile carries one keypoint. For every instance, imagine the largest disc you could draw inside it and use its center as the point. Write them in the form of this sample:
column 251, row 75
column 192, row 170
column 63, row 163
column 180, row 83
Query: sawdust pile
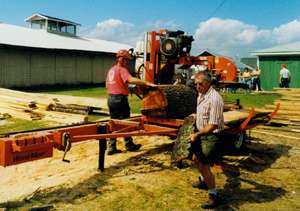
column 23, row 180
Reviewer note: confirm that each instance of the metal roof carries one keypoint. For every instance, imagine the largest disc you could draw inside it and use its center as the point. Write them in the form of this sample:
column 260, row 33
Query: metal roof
column 39, row 16
column 39, row 38
column 286, row 49
column 209, row 53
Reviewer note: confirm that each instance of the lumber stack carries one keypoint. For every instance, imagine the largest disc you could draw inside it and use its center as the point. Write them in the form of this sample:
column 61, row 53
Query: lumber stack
column 49, row 107
column 289, row 106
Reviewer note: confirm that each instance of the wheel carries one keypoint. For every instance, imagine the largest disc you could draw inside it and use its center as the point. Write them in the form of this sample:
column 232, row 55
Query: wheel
column 140, row 72
column 239, row 140
column 179, row 79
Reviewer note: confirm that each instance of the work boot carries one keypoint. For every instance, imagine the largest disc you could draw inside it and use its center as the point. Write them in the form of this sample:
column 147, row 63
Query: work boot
column 112, row 147
column 200, row 185
column 213, row 202
column 112, row 151
column 133, row 147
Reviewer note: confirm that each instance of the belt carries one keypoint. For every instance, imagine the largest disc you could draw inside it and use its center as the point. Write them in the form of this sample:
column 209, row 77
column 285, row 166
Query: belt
column 117, row 95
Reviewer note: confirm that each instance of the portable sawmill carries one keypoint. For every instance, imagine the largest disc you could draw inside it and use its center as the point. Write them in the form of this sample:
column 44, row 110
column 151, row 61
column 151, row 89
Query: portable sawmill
column 163, row 109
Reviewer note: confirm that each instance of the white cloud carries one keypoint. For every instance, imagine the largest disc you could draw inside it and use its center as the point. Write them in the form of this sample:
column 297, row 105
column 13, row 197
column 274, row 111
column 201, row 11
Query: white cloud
column 111, row 29
column 234, row 37
column 224, row 36
column 124, row 32
column 227, row 36
column 289, row 32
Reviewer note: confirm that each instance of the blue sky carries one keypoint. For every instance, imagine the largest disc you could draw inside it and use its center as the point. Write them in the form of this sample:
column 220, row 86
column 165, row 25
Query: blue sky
column 230, row 27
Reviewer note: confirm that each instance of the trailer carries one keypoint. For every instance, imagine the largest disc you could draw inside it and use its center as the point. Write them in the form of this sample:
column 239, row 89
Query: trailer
column 34, row 145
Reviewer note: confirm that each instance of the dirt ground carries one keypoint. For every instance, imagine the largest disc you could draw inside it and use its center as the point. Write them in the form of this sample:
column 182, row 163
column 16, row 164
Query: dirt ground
column 146, row 180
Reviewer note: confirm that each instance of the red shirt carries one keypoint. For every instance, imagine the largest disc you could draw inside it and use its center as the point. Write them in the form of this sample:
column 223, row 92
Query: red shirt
column 116, row 80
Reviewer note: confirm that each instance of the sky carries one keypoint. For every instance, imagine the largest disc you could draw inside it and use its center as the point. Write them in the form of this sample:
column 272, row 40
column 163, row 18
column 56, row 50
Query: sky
column 227, row 27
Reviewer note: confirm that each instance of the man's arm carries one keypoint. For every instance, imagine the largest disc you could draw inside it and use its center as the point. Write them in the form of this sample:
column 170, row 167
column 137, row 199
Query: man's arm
column 133, row 80
column 280, row 75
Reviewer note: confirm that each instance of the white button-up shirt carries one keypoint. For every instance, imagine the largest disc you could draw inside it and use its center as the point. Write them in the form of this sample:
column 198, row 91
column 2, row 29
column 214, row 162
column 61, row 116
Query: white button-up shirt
column 284, row 73
column 210, row 110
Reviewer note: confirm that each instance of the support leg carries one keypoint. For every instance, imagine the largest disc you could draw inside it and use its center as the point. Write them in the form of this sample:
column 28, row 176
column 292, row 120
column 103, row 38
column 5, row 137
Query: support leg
column 102, row 147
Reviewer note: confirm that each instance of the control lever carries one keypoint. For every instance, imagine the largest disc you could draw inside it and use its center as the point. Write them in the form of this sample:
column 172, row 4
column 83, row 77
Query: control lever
column 66, row 143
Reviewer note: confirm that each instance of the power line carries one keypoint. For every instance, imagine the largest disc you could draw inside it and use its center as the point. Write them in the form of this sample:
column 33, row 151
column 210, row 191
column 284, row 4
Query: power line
column 217, row 8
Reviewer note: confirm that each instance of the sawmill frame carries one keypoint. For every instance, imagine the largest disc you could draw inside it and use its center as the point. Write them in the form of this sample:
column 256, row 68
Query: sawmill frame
column 24, row 147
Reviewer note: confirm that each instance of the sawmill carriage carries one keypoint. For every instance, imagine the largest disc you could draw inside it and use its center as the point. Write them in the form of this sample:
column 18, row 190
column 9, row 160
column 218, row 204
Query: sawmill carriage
column 163, row 110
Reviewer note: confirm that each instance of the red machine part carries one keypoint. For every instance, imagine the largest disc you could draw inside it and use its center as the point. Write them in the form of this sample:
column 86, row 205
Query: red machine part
column 156, row 64
column 223, row 66
column 29, row 147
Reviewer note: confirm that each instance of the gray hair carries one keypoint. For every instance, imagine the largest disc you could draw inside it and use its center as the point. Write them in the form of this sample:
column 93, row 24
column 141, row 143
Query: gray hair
column 206, row 74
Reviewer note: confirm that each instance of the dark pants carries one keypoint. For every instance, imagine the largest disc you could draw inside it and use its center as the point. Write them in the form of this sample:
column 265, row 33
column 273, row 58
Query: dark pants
column 119, row 109
column 285, row 82
column 256, row 83
column 207, row 148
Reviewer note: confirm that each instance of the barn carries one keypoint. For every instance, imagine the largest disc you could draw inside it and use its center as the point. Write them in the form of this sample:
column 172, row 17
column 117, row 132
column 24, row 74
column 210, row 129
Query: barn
column 270, row 60
column 49, row 52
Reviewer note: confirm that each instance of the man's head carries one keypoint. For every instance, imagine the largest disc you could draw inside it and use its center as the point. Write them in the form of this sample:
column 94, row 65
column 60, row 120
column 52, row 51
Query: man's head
column 203, row 81
column 283, row 66
column 123, row 56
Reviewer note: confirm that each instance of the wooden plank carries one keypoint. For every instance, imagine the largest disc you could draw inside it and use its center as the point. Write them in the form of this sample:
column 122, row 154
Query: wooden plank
column 286, row 129
column 16, row 103
column 275, row 134
column 230, row 116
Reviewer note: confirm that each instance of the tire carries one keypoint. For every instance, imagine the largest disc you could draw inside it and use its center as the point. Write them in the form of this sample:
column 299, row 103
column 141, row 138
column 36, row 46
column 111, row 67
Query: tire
column 239, row 141
column 182, row 101
column 140, row 71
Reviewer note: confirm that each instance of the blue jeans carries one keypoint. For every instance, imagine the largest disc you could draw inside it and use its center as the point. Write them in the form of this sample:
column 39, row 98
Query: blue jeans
column 118, row 109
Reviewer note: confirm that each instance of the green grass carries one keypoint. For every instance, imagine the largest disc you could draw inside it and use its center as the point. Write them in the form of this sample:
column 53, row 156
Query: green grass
column 15, row 125
column 95, row 92
column 252, row 100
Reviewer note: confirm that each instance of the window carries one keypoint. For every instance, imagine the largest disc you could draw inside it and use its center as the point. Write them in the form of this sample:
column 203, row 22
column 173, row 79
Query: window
column 71, row 29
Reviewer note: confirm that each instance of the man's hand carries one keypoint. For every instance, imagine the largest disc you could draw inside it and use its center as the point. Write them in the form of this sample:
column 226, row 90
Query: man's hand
column 194, row 137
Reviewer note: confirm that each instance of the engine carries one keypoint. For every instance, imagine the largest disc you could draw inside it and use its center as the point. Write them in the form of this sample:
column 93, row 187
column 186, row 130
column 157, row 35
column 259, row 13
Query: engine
column 175, row 43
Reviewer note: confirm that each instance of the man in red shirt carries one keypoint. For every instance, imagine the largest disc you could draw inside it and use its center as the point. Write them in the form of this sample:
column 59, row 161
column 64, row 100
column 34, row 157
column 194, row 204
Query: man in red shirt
column 117, row 80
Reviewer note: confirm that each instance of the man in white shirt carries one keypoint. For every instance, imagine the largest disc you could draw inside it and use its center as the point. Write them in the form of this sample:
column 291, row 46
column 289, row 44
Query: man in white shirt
column 284, row 77
column 256, row 79
column 206, row 141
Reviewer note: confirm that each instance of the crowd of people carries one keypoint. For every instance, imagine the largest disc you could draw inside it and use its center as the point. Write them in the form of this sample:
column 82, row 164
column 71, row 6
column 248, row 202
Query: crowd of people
column 251, row 79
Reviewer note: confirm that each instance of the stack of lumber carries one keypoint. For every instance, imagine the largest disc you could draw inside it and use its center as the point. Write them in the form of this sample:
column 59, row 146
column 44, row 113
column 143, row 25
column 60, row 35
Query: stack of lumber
column 36, row 106
column 286, row 123
column 289, row 106
column 235, row 118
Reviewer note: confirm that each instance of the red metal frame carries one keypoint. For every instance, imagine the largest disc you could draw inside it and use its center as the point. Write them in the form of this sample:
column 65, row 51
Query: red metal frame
column 28, row 147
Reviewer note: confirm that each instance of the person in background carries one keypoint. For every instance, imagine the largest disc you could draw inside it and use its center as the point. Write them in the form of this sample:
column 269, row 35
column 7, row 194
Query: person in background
column 247, row 79
column 284, row 77
column 205, row 143
column 256, row 79
column 117, row 80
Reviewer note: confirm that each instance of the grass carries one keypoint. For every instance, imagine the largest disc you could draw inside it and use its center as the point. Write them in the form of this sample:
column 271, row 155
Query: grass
column 15, row 125
column 247, row 100
column 95, row 92
column 252, row 100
